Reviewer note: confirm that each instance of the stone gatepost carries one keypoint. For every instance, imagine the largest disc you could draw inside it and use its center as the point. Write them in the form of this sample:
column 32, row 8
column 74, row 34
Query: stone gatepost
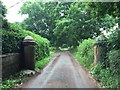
column 100, row 49
column 29, row 52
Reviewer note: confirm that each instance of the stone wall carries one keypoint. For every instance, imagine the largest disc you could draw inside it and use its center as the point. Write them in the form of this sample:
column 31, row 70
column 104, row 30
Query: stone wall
column 10, row 64
column 14, row 62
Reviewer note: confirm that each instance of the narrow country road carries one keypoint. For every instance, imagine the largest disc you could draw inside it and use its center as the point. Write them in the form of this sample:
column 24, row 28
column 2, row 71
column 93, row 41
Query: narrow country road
column 63, row 71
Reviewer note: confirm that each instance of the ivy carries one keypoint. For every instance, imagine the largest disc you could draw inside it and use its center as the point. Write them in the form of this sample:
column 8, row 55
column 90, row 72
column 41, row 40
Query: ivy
column 12, row 42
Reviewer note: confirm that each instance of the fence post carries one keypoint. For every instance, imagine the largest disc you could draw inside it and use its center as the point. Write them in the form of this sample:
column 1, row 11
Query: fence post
column 29, row 52
column 100, row 49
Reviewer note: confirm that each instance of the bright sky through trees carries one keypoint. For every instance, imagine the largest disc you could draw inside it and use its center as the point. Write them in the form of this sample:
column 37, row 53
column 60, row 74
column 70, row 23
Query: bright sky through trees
column 12, row 12
column 13, row 7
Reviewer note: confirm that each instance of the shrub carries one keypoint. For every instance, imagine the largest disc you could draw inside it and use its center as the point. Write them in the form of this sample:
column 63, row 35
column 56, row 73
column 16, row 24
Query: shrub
column 105, row 76
column 96, row 71
column 109, row 77
column 114, row 60
column 12, row 41
column 114, row 39
column 85, row 53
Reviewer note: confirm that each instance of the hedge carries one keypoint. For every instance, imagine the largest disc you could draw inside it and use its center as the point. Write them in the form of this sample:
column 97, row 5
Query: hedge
column 108, row 76
column 12, row 40
column 85, row 53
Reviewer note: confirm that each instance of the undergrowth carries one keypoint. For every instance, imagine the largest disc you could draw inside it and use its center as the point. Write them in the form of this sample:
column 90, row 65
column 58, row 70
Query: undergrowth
column 107, row 75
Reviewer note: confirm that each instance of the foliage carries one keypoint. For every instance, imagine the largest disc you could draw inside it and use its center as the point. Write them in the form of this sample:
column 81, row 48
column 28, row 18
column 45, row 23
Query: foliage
column 103, row 8
column 71, row 21
column 109, row 75
column 7, row 84
column 108, row 79
column 67, row 24
column 3, row 12
column 85, row 52
column 108, row 21
column 96, row 71
column 77, row 25
column 114, row 39
column 108, row 24
column 3, row 9
column 14, row 80
column 114, row 59
column 40, row 64
column 41, row 18
column 12, row 41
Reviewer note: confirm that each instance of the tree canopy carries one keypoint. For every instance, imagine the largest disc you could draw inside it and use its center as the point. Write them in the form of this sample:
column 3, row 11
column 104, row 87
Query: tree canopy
column 68, row 22
column 3, row 12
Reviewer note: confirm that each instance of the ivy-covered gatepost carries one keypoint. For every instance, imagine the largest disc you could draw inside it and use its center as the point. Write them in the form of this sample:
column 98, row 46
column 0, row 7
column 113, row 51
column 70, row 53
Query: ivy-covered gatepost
column 100, row 47
column 29, row 52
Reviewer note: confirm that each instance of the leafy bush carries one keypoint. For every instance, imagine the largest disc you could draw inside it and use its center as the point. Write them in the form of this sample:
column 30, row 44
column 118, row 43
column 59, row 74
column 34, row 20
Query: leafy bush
column 114, row 60
column 114, row 39
column 12, row 41
column 108, row 76
column 96, row 71
column 105, row 76
column 85, row 53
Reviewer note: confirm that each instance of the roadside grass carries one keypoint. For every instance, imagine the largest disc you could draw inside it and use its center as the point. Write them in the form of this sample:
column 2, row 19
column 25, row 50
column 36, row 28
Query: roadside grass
column 40, row 64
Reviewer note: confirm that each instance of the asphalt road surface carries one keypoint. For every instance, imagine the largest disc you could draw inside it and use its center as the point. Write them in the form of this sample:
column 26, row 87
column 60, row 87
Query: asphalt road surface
column 63, row 71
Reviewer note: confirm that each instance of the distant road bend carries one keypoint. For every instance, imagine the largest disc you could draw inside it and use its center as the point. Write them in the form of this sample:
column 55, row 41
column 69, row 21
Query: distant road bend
column 63, row 71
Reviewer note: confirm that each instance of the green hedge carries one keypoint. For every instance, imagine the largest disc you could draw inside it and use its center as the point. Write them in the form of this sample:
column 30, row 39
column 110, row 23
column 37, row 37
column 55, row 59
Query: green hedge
column 114, row 39
column 105, row 76
column 108, row 76
column 114, row 61
column 12, row 40
column 85, row 52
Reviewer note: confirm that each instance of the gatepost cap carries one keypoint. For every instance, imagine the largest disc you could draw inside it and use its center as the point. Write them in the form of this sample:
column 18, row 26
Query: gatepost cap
column 28, row 39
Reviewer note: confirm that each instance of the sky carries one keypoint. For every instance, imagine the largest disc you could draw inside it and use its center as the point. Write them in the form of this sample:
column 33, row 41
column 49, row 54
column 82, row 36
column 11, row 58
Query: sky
column 12, row 13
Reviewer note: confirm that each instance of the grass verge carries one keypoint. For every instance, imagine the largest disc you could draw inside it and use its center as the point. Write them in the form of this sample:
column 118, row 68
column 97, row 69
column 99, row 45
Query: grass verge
column 42, row 63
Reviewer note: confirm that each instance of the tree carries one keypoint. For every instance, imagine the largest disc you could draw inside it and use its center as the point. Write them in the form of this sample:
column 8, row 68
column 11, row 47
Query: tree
column 41, row 17
column 78, row 24
column 3, row 11
column 69, row 22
